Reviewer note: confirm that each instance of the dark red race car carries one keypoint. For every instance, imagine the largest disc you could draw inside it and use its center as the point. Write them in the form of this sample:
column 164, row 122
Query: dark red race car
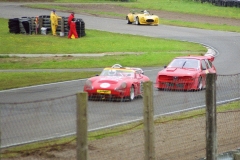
column 185, row 73
column 116, row 83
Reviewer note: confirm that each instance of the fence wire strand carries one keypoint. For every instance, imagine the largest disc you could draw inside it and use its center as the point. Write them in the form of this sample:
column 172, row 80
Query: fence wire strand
column 116, row 127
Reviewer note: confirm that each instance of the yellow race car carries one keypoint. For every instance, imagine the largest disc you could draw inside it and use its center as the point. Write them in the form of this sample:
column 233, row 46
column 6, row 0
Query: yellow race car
column 142, row 17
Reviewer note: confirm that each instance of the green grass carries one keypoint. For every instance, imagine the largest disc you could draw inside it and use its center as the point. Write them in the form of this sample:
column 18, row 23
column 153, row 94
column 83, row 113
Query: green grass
column 94, row 42
column 130, row 60
column 33, row 148
column 15, row 79
column 181, row 6
column 186, row 6
column 148, row 51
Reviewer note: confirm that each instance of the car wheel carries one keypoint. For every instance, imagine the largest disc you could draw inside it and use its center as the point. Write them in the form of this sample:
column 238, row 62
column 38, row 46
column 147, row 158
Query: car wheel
column 132, row 94
column 137, row 21
column 200, row 84
column 128, row 21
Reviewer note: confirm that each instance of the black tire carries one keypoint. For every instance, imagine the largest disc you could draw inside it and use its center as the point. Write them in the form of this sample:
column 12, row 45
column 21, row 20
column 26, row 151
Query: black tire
column 128, row 21
column 132, row 94
column 46, row 19
column 200, row 84
column 137, row 21
column 46, row 25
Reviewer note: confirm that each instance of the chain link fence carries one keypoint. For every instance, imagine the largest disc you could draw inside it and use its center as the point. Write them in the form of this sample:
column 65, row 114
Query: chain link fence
column 116, row 130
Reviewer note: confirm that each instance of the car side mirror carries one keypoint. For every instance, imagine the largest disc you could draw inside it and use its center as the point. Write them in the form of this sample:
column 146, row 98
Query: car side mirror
column 164, row 66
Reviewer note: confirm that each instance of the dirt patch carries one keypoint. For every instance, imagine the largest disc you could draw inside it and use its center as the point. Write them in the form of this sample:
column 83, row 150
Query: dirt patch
column 180, row 139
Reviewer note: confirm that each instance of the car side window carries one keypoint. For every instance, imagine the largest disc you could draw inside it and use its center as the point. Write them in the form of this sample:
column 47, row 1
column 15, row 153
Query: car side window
column 203, row 64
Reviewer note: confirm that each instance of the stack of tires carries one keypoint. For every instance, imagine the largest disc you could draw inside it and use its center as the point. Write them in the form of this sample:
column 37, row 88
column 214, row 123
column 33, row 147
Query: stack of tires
column 13, row 26
column 80, row 27
column 46, row 23
column 27, row 25
column 227, row 3
column 66, row 29
column 223, row 3
column 20, row 25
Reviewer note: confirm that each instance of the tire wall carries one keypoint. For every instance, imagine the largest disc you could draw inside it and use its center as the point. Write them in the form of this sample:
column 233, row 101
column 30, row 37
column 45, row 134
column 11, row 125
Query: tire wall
column 223, row 3
column 14, row 25
column 27, row 25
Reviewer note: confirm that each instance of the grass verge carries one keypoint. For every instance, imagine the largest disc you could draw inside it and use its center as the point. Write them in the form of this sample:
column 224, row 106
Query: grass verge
column 184, row 6
column 16, row 80
column 94, row 42
column 145, row 52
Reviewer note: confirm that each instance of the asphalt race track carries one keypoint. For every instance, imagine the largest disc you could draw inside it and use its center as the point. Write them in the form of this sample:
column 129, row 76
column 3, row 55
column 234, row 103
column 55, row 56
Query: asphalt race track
column 226, row 44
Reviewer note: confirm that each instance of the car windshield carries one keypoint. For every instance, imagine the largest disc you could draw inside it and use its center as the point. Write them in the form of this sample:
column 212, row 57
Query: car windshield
column 146, row 12
column 117, row 72
column 184, row 63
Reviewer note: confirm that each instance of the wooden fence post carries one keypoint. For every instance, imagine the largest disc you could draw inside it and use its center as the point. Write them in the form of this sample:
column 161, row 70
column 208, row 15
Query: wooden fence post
column 0, row 135
column 32, row 24
column 41, row 24
column 148, row 112
column 236, row 156
column 82, row 126
column 211, row 117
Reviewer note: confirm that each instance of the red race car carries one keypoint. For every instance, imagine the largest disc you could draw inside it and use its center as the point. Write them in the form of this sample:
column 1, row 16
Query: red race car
column 185, row 73
column 116, row 83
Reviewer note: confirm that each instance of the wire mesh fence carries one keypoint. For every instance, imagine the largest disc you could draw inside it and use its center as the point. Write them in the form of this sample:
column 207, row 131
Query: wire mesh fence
column 116, row 127
column 38, row 120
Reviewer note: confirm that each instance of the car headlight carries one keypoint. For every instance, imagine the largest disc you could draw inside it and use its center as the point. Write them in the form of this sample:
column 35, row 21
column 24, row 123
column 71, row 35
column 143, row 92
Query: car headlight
column 88, row 85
